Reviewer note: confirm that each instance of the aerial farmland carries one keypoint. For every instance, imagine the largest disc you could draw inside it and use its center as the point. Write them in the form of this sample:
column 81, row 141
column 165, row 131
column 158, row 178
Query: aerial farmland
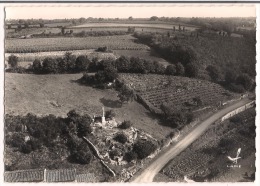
column 108, row 99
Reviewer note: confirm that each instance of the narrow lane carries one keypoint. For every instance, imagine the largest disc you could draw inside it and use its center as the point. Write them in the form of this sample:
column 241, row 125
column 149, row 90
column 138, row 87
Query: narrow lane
column 162, row 159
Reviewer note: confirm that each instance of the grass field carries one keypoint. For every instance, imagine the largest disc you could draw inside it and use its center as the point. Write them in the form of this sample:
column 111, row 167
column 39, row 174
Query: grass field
column 30, row 31
column 28, row 93
column 67, row 43
column 145, row 25
column 144, row 54
column 205, row 159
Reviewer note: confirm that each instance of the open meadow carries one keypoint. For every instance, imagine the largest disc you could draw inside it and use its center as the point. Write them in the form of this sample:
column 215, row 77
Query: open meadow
column 136, row 25
column 72, row 43
column 58, row 94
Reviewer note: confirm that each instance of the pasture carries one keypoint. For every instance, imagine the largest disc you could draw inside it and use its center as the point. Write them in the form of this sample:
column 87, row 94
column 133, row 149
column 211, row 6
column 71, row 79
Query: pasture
column 58, row 94
column 136, row 25
column 144, row 54
column 71, row 43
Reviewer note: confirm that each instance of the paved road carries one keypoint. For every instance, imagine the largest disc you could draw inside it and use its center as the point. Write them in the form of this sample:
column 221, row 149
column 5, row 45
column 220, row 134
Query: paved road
column 148, row 174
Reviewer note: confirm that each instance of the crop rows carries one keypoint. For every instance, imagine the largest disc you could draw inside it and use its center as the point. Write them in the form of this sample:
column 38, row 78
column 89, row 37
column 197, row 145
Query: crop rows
column 72, row 43
column 175, row 91
column 188, row 165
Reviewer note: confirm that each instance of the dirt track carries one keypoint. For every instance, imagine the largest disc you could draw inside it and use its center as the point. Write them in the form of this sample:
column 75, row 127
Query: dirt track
column 162, row 159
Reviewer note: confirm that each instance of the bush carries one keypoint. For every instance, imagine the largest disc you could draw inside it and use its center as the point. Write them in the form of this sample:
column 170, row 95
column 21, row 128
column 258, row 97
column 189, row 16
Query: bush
column 236, row 88
column 82, row 63
column 81, row 157
column 114, row 153
column 171, row 70
column 13, row 61
column 230, row 76
column 180, row 70
column 245, row 81
column 121, row 138
column 126, row 94
column 125, row 125
column 191, row 70
column 130, row 156
column 110, row 114
column 102, row 49
column 49, row 65
column 37, row 66
column 26, row 149
column 236, row 119
column 214, row 72
column 144, row 148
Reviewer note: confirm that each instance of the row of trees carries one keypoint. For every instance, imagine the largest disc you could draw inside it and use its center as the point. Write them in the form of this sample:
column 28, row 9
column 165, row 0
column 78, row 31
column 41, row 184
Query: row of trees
column 71, row 64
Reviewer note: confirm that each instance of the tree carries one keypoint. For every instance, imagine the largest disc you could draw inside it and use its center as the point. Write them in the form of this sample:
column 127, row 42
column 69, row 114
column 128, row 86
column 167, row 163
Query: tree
column 191, row 70
column 70, row 60
column 154, row 18
column 121, row 138
column 166, row 109
column 82, row 63
column 110, row 114
column 130, row 156
column 144, row 148
column 126, row 94
column 114, row 153
column 171, row 70
column 41, row 25
column 110, row 74
column 123, row 64
column 125, row 125
column 37, row 66
column 26, row 25
column 49, row 65
column 13, row 61
column 72, row 115
column 130, row 18
column 149, row 67
column 214, row 72
column 230, row 76
column 159, row 68
column 137, row 65
column 63, row 30
column 62, row 65
column 81, row 157
column 83, row 125
column 180, row 70
column 245, row 80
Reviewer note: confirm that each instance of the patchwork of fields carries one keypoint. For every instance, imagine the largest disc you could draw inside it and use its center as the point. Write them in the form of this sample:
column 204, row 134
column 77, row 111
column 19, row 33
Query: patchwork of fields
column 178, row 92
column 125, row 42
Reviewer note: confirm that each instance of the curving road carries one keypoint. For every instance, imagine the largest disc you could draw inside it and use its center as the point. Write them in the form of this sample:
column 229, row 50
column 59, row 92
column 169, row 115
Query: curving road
column 148, row 174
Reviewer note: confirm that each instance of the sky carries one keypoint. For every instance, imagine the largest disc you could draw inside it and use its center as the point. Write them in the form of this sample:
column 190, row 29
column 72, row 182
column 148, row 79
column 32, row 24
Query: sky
column 124, row 10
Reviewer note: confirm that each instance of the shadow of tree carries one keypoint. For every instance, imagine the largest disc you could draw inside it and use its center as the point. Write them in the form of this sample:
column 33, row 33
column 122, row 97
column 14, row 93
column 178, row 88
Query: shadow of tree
column 111, row 103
